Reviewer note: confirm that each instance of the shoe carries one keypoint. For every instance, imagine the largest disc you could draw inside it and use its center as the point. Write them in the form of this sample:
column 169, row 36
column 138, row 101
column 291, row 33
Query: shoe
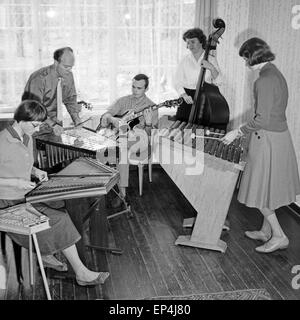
column 225, row 228
column 257, row 235
column 63, row 267
column 226, row 225
column 99, row 280
column 279, row 244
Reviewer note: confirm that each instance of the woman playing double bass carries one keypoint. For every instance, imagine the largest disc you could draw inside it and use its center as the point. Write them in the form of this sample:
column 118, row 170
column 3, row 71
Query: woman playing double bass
column 188, row 70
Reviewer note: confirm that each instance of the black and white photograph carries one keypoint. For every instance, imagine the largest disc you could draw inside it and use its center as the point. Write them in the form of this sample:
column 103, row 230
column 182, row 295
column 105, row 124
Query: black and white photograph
column 149, row 153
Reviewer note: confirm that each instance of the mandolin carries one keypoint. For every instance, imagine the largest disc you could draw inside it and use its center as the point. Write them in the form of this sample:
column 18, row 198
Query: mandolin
column 130, row 118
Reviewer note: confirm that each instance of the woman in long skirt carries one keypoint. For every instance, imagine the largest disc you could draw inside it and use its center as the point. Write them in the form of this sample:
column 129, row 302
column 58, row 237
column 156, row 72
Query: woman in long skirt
column 271, row 178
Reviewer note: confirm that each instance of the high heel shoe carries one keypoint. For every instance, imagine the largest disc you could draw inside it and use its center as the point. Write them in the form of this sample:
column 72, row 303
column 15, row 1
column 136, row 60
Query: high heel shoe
column 257, row 235
column 280, row 244
column 99, row 280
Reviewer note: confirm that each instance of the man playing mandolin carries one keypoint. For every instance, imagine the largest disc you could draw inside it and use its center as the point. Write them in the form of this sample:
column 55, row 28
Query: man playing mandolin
column 135, row 102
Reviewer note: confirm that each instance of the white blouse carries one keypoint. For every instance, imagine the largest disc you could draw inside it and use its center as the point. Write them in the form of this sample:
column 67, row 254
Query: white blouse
column 188, row 71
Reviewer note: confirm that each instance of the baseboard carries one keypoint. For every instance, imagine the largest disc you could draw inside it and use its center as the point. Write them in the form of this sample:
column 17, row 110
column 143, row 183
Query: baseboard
column 295, row 209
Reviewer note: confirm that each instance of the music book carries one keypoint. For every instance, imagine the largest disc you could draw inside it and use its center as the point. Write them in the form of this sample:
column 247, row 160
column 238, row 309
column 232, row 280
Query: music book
column 23, row 219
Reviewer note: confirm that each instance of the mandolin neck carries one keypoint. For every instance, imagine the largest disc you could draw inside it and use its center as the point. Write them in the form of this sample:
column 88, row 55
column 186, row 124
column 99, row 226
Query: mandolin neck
column 138, row 114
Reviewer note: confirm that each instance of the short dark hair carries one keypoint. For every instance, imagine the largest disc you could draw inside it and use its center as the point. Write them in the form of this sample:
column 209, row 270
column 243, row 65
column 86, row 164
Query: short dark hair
column 59, row 52
column 27, row 95
column 256, row 51
column 195, row 33
column 30, row 110
column 142, row 76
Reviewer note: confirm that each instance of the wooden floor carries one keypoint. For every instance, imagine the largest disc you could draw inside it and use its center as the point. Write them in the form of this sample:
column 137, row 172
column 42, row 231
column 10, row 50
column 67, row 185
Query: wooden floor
column 151, row 265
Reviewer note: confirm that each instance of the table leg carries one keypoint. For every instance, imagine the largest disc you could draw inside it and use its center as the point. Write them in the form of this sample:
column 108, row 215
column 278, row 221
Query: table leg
column 39, row 257
column 30, row 261
column 99, row 236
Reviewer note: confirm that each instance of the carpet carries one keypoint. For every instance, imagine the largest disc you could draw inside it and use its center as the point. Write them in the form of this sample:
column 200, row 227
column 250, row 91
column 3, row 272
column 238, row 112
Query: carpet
column 247, row 294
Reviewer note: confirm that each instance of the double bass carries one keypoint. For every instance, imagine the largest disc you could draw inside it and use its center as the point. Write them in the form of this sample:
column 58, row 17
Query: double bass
column 210, row 108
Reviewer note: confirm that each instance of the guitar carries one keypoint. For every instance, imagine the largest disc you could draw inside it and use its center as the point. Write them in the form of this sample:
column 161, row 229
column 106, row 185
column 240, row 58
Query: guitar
column 129, row 118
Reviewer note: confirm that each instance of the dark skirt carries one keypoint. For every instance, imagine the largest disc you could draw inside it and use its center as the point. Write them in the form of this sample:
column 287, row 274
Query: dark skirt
column 184, row 110
column 61, row 235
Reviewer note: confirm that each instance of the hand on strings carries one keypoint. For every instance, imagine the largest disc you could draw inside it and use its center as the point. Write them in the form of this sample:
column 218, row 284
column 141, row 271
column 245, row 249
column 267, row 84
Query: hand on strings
column 188, row 99
column 207, row 65
column 147, row 113
column 116, row 122
column 58, row 130
column 40, row 174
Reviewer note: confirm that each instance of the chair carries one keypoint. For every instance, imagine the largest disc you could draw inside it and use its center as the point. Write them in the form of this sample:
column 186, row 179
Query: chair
column 140, row 165
column 140, row 160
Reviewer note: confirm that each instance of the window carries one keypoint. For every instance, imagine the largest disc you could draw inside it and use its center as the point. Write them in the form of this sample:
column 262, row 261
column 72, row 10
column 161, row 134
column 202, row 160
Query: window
column 112, row 40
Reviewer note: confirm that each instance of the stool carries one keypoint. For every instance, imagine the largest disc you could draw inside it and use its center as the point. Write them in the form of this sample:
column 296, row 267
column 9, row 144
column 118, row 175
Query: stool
column 31, row 236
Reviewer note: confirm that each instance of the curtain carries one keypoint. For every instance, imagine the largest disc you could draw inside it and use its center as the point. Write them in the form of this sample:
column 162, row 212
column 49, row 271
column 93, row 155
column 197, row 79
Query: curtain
column 204, row 14
column 112, row 40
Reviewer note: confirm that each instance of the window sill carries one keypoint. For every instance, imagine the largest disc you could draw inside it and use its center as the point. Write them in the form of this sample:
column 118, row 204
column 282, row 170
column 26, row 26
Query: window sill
column 6, row 115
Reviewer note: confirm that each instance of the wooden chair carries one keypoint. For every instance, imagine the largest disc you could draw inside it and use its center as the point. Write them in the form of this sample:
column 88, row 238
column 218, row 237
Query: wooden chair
column 140, row 160
column 140, row 165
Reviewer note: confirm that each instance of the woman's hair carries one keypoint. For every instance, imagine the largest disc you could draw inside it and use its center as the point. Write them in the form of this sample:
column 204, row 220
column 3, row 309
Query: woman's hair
column 30, row 110
column 256, row 51
column 195, row 33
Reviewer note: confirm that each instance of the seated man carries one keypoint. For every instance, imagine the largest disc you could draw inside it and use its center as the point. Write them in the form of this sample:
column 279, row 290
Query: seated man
column 137, row 101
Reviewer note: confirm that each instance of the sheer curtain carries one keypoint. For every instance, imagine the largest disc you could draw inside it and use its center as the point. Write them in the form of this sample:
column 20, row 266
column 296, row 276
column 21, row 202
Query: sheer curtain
column 112, row 39
column 204, row 13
